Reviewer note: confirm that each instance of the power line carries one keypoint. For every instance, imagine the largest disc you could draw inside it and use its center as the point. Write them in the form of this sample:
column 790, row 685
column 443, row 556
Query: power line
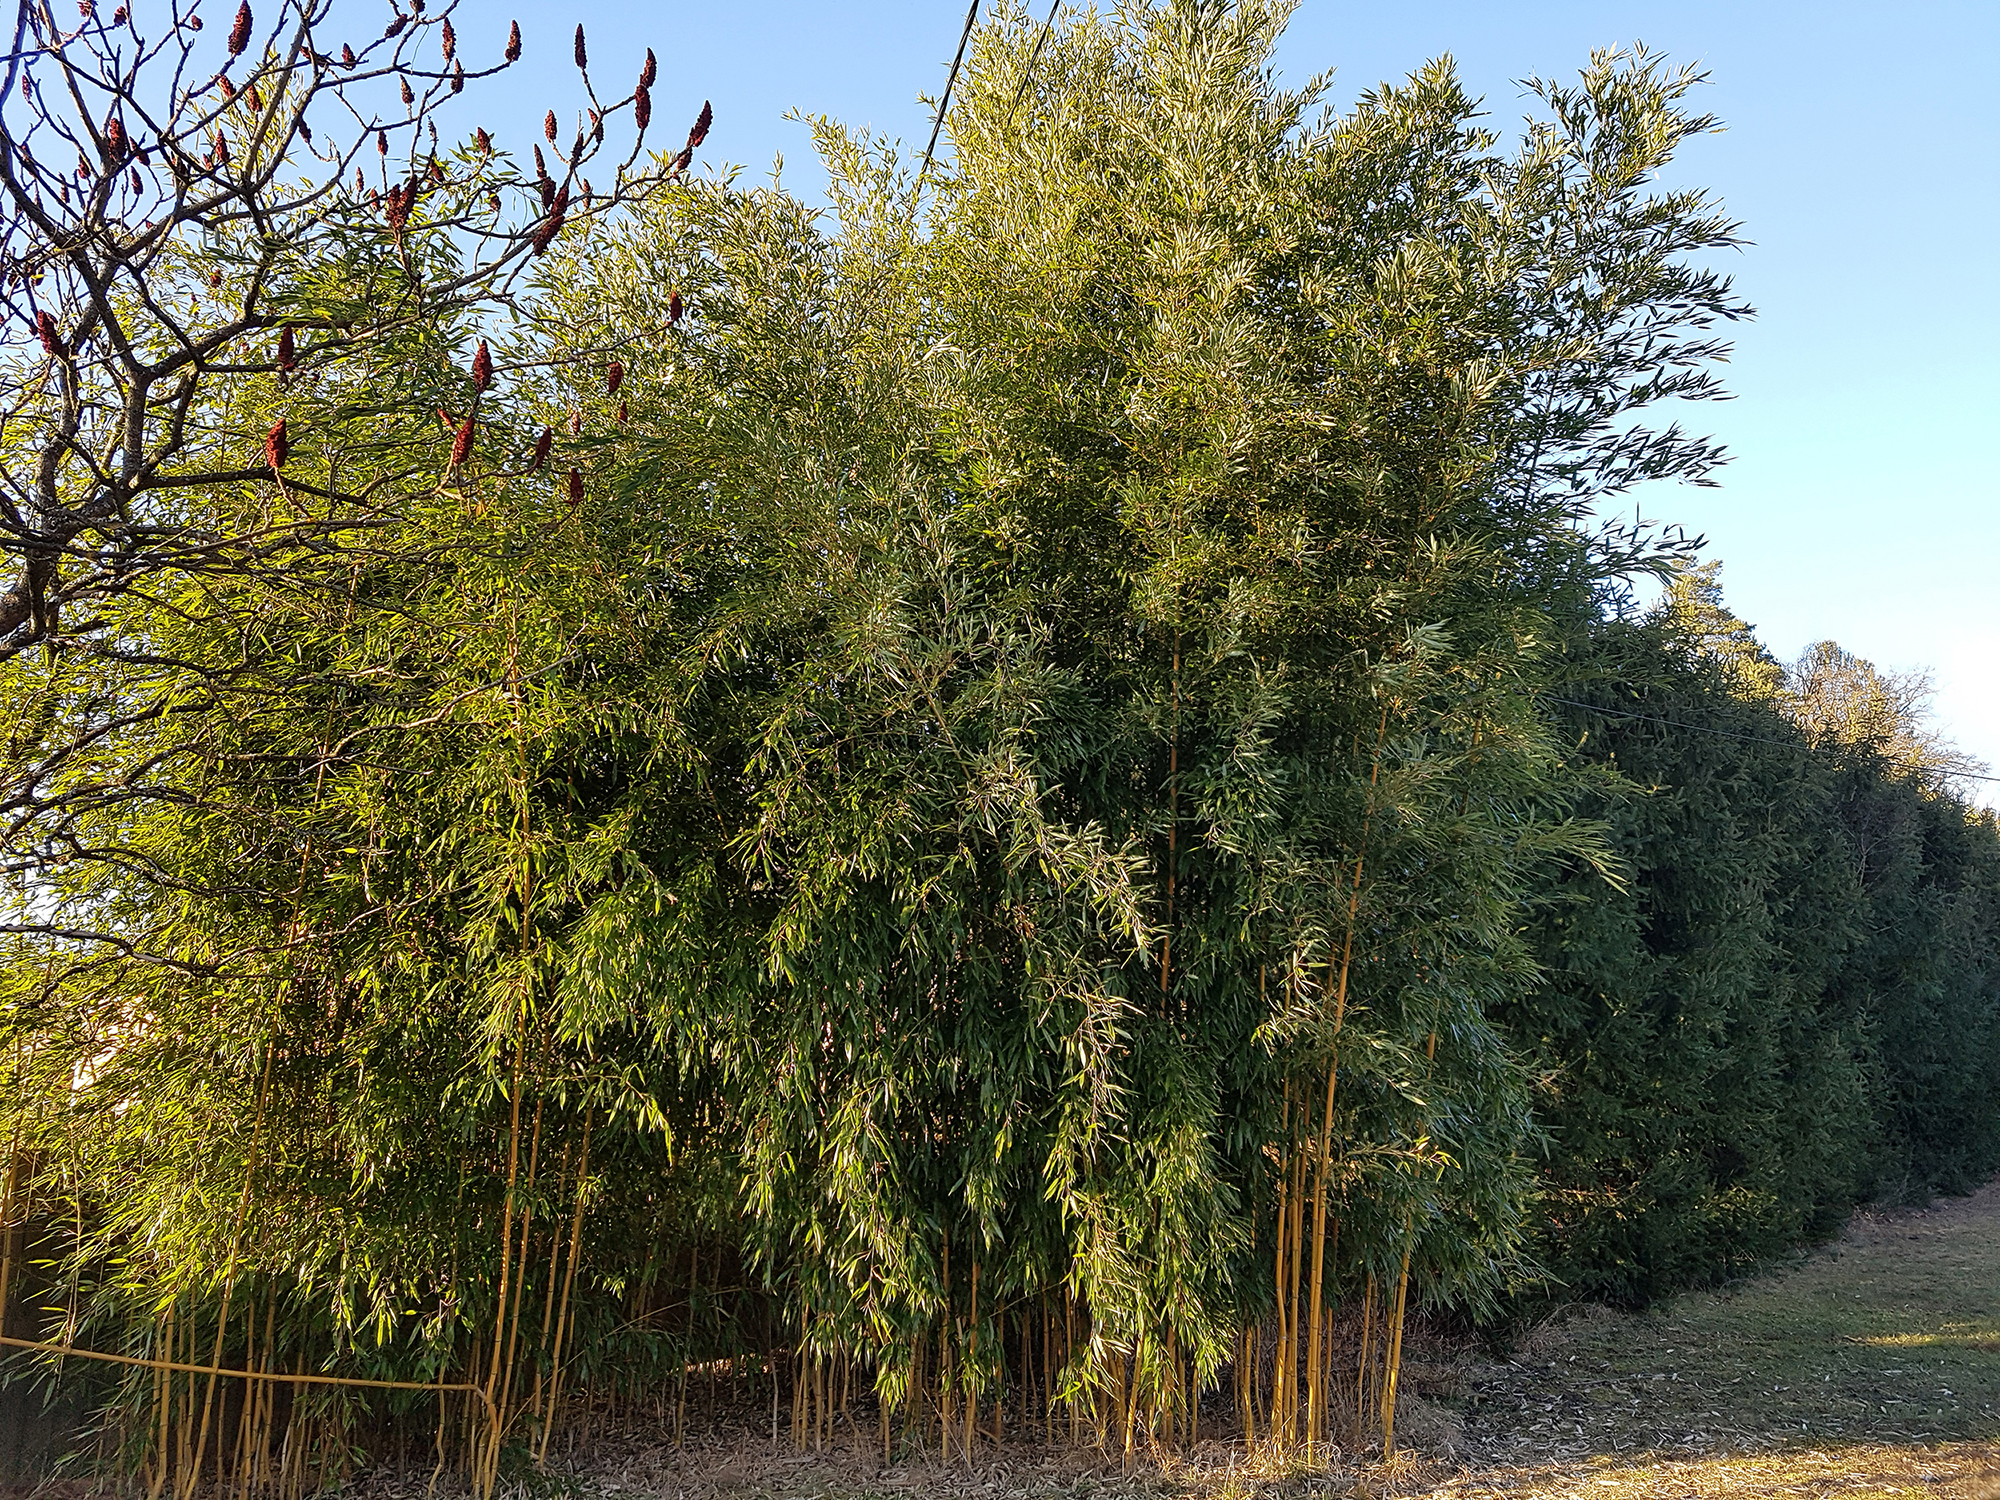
column 944, row 101
column 1027, row 75
column 1029, row 72
column 1754, row 739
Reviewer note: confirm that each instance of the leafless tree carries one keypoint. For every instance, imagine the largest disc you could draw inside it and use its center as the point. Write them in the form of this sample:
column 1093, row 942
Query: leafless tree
column 179, row 199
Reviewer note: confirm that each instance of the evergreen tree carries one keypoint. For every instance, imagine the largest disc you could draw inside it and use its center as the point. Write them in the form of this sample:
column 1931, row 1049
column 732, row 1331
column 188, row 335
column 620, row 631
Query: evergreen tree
column 1753, row 1036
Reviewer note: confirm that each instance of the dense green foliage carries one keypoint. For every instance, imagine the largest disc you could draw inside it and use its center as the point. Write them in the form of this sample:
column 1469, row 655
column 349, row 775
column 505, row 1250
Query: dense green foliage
column 1028, row 836
column 1796, row 1002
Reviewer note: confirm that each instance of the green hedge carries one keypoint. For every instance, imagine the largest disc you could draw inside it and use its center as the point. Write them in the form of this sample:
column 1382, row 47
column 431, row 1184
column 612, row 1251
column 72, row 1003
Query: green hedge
column 1794, row 1004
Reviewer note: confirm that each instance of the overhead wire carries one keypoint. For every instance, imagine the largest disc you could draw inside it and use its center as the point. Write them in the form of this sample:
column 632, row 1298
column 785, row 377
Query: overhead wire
column 944, row 100
column 1028, row 72
column 1021, row 91
column 951, row 78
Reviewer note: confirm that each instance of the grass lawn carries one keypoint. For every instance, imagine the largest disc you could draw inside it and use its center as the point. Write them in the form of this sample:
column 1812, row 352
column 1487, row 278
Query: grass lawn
column 1873, row 1367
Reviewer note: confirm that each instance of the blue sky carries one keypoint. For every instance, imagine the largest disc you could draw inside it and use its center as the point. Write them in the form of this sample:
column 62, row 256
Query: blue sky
column 1862, row 155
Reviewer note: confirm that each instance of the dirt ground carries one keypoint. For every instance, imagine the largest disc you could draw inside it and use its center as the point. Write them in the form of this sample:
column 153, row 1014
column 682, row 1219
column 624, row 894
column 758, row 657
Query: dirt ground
column 1867, row 1370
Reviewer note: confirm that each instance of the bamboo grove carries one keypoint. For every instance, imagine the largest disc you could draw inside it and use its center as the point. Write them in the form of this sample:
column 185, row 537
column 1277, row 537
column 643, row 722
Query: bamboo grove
column 1030, row 809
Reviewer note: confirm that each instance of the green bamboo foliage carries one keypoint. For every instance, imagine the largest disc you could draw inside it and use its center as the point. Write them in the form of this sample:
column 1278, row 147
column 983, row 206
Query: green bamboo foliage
column 975, row 841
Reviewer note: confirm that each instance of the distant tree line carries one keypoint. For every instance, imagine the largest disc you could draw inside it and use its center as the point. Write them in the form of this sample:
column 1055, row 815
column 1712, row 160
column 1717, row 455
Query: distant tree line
column 1008, row 805
column 1792, row 1006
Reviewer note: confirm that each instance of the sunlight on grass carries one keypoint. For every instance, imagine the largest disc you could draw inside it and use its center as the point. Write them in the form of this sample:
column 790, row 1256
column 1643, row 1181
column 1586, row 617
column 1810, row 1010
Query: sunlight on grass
column 1868, row 1369
column 1982, row 1339
column 1950, row 1471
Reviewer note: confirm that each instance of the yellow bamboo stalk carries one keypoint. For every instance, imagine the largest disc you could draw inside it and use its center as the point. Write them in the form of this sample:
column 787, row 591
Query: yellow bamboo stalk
column 972, row 1373
column 521, row 1273
column 189, row 1479
column 163, row 1399
column 1173, row 828
column 239, row 1465
column 184, row 1448
column 1315, row 1414
column 1069, row 1344
column 1361, row 1382
column 487, row 1473
column 798, row 1398
column 1048, row 1375
column 154, row 1469
column 9, row 1191
column 1395, row 1356
column 1402, row 1295
column 488, row 1459
column 268, row 1405
column 548, row 1305
column 1128, row 1395
column 1293, row 1276
column 946, row 1322
column 569, row 1280
column 469, row 1439
column 1278, row 1272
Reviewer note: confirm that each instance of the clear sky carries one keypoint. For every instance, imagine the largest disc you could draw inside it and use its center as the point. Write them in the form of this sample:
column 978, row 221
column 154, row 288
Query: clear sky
column 1862, row 155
